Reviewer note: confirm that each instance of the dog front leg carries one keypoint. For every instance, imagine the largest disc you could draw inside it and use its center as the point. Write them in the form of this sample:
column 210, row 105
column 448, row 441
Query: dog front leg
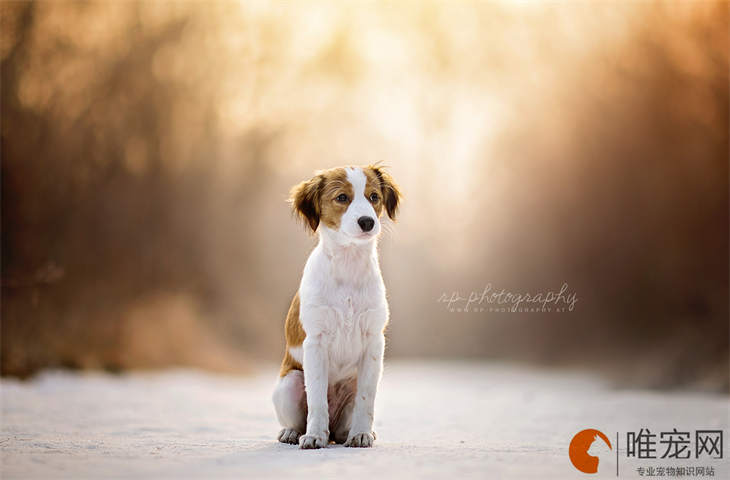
column 315, row 383
column 368, row 376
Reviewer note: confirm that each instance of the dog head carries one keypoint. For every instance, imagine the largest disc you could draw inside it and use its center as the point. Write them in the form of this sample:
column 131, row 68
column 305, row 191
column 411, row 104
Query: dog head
column 347, row 201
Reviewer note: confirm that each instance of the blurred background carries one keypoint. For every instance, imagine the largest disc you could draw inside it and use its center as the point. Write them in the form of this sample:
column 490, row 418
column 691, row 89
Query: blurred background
column 148, row 148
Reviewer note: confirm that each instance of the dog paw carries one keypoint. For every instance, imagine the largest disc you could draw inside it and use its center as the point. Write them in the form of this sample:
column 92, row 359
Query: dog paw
column 361, row 440
column 289, row 435
column 313, row 441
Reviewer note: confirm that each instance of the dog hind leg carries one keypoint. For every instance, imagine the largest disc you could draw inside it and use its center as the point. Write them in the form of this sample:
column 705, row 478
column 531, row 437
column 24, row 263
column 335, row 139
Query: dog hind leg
column 290, row 403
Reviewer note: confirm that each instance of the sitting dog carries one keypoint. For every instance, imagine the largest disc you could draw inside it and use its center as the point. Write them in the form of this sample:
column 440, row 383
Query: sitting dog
column 334, row 329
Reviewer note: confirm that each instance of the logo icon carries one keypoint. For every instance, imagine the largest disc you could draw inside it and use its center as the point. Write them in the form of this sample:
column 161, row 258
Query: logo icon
column 579, row 447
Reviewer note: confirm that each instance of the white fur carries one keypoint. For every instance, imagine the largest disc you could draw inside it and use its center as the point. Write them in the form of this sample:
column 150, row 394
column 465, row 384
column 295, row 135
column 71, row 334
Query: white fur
column 288, row 411
column 296, row 353
column 343, row 311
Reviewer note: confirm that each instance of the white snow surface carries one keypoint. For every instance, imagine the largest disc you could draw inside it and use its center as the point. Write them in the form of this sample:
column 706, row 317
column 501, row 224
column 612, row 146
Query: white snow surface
column 433, row 420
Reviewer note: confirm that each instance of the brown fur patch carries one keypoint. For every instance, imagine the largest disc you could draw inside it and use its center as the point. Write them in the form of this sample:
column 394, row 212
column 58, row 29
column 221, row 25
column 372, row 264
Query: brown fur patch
column 294, row 334
column 372, row 186
column 335, row 183
column 315, row 200
column 304, row 198
column 389, row 191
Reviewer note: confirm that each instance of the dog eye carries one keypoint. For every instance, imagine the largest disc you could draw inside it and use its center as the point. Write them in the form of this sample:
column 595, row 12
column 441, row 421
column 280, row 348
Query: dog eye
column 342, row 198
column 374, row 197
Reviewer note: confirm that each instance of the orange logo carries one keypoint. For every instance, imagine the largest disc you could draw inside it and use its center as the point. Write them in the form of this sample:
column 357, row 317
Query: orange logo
column 579, row 446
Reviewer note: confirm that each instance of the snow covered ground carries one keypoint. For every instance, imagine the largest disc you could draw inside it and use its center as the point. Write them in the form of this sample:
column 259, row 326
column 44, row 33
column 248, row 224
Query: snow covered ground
column 433, row 419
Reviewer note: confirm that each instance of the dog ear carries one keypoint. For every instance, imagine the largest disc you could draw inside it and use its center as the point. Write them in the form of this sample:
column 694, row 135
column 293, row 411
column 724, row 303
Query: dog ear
column 304, row 199
column 391, row 192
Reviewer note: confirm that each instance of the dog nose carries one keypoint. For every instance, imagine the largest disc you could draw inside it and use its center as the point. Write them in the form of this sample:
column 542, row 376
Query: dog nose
column 366, row 223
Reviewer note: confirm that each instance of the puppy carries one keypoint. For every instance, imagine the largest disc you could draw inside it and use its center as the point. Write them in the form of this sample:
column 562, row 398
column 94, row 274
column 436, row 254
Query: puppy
column 334, row 329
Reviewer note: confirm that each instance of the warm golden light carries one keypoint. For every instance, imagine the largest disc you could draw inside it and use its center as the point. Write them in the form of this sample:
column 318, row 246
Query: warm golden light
column 148, row 148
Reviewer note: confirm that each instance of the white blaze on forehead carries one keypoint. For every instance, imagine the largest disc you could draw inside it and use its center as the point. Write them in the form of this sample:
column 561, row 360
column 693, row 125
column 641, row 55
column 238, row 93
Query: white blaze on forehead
column 357, row 179
column 359, row 207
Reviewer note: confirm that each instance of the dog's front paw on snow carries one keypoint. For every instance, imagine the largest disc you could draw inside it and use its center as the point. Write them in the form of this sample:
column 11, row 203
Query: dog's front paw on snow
column 313, row 441
column 365, row 439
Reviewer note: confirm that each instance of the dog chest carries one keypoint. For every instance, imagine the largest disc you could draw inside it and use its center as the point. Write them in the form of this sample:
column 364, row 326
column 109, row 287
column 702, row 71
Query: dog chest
column 345, row 338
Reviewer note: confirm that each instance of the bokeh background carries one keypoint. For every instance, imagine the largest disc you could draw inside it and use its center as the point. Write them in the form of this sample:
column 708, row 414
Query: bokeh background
column 148, row 148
